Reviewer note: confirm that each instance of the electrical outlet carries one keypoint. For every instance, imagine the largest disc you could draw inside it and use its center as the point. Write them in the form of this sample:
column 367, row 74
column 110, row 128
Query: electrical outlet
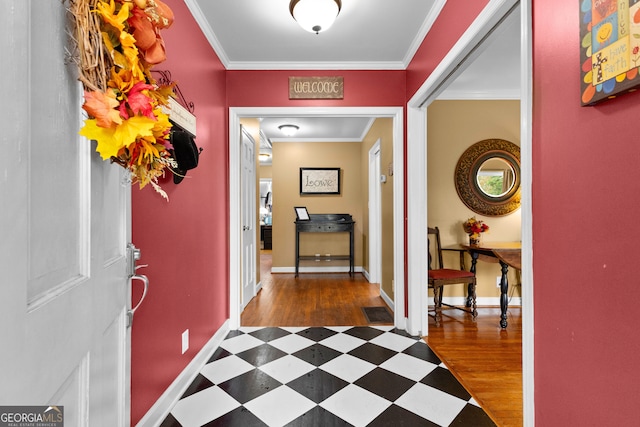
column 185, row 341
column 498, row 280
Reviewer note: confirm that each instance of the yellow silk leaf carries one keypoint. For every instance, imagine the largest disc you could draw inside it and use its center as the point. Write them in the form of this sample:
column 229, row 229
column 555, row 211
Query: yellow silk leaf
column 121, row 79
column 132, row 129
column 108, row 42
column 107, row 145
column 163, row 125
column 129, row 50
column 162, row 93
column 107, row 11
column 148, row 150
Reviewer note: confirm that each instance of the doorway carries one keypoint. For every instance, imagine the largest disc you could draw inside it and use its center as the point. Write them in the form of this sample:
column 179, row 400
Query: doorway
column 466, row 49
column 235, row 259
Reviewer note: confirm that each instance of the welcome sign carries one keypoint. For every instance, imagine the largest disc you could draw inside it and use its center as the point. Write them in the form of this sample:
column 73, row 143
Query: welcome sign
column 316, row 87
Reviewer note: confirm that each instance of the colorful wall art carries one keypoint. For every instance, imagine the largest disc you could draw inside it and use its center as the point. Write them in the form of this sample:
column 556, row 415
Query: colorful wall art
column 610, row 48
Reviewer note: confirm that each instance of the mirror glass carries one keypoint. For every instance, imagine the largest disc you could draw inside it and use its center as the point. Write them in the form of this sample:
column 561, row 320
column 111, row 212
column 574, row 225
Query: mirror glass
column 495, row 177
column 487, row 177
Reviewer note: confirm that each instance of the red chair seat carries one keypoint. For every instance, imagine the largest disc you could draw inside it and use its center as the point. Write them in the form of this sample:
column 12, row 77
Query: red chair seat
column 446, row 273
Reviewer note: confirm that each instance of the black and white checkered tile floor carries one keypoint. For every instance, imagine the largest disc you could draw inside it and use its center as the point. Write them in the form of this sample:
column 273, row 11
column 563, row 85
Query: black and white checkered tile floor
column 325, row 376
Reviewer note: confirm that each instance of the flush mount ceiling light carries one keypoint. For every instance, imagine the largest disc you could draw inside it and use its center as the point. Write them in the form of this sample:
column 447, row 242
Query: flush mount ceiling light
column 315, row 15
column 288, row 130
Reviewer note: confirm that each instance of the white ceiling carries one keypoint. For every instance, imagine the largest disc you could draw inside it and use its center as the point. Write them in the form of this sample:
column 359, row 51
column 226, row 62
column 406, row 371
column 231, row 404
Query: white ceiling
column 367, row 35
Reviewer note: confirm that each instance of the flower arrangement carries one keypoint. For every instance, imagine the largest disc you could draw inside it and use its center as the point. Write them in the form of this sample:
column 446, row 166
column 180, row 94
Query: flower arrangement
column 118, row 42
column 473, row 227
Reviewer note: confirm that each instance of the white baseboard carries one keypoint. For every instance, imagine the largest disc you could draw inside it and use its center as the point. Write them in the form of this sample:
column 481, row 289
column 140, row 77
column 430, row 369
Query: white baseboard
column 387, row 300
column 159, row 411
column 316, row 269
column 480, row 301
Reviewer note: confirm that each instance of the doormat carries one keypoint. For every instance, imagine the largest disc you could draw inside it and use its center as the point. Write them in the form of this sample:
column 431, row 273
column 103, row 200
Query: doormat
column 377, row 315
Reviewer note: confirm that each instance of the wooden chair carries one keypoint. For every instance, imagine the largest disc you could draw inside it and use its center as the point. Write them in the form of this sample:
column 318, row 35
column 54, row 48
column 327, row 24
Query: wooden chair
column 440, row 277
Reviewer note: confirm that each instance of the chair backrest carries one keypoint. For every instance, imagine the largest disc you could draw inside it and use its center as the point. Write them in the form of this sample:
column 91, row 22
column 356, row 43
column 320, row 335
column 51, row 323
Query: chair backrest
column 436, row 246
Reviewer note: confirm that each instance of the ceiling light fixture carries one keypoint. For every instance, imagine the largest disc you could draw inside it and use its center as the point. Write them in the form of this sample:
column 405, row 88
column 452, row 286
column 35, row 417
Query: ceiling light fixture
column 315, row 15
column 289, row 130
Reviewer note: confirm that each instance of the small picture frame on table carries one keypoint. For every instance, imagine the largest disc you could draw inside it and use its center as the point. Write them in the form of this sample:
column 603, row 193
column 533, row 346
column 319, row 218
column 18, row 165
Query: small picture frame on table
column 301, row 213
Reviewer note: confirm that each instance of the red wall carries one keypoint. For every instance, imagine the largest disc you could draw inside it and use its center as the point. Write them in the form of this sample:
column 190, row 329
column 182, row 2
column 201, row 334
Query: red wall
column 185, row 240
column 585, row 189
column 453, row 21
column 585, row 201
column 271, row 89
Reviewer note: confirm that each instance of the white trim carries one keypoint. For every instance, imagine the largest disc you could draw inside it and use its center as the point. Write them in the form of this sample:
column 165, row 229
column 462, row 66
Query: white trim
column 387, row 299
column 297, row 140
column 159, row 411
column 206, row 29
column 434, row 12
column 452, row 65
column 365, row 273
column 375, row 220
column 400, row 316
column 309, row 65
column 417, row 221
column 215, row 44
column 526, row 180
column 494, row 95
column 235, row 113
column 235, row 226
column 448, row 68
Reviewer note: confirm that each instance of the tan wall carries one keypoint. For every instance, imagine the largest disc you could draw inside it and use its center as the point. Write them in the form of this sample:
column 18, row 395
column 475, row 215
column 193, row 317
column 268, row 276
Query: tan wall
column 453, row 126
column 264, row 171
column 353, row 160
column 382, row 129
column 288, row 158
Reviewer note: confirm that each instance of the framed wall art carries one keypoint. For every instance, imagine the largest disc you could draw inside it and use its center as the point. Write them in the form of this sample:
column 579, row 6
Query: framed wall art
column 301, row 213
column 609, row 48
column 319, row 180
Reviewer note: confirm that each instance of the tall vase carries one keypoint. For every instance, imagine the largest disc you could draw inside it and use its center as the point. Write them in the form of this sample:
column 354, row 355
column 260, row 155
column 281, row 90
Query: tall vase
column 474, row 239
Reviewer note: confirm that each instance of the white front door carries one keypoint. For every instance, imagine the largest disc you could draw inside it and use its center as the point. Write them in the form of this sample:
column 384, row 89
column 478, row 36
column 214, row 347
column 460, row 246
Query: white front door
column 249, row 273
column 64, row 227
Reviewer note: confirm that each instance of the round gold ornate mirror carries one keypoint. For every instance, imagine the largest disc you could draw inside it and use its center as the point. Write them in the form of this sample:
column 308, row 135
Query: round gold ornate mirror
column 487, row 177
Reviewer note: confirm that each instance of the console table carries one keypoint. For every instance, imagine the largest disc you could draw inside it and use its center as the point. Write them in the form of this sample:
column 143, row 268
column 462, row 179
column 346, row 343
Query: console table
column 326, row 223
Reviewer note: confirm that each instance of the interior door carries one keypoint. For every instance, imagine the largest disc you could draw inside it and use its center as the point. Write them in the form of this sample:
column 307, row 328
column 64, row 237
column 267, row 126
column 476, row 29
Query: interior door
column 375, row 214
column 65, row 223
column 249, row 218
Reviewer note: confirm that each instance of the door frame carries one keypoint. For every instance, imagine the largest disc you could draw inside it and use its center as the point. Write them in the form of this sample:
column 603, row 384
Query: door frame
column 235, row 228
column 447, row 69
column 375, row 238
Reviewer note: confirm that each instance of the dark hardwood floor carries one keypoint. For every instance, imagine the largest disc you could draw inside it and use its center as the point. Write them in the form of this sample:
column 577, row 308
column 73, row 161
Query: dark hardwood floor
column 486, row 359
